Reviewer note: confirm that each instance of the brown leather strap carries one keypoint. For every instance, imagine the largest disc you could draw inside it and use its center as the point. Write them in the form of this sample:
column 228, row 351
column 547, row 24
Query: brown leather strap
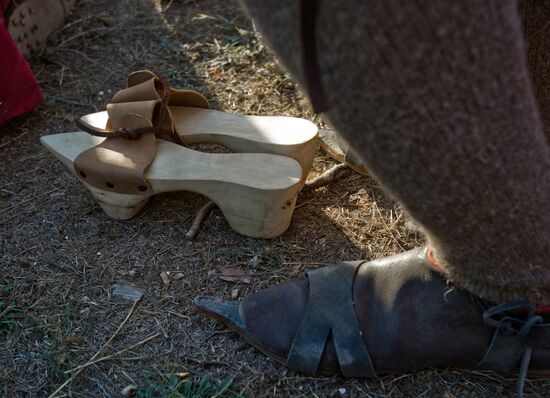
column 119, row 164
column 123, row 132
column 130, row 99
column 138, row 114
column 330, row 310
column 178, row 97
column 164, row 116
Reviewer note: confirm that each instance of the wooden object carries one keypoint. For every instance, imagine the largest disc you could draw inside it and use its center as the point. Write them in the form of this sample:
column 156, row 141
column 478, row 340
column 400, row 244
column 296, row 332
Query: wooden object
column 256, row 192
column 280, row 135
column 199, row 218
column 30, row 22
column 335, row 173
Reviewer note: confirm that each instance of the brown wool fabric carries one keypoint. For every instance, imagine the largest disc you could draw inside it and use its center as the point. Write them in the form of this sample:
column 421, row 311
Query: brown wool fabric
column 535, row 15
column 436, row 98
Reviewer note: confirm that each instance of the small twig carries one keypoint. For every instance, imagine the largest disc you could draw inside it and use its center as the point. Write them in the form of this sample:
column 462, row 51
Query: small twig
column 118, row 329
column 79, row 53
column 33, row 198
column 199, row 218
column 68, row 25
column 387, row 226
column 103, row 31
column 105, row 358
column 6, row 311
column 207, row 363
column 180, row 315
column 304, row 203
column 333, row 174
column 80, row 368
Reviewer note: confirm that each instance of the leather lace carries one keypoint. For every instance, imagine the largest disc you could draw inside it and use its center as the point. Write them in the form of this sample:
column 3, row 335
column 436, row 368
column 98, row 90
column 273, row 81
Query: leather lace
column 129, row 133
column 499, row 318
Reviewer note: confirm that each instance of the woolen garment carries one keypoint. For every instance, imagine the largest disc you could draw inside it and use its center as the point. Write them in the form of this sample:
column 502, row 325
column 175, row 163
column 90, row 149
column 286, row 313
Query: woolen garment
column 437, row 99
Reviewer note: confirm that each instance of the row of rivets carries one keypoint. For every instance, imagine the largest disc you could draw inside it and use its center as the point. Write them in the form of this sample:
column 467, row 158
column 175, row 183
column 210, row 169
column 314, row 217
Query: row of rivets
column 22, row 16
column 110, row 185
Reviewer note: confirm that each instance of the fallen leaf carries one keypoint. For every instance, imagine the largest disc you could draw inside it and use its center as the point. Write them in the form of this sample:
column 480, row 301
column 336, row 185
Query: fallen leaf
column 73, row 339
column 200, row 16
column 234, row 293
column 233, row 275
column 254, row 261
column 178, row 276
column 129, row 391
column 217, row 72
column 127, row 291
column 241, row 31
column 165, row 277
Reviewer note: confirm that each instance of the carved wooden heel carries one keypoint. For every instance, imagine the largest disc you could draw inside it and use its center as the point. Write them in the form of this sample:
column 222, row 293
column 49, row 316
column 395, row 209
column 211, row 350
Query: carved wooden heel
column 117, row 205
column 261, row 221
column 250, row 211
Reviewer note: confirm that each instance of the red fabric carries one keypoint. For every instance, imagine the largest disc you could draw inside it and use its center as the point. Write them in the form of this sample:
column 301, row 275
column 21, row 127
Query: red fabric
column 19, row 90
column 4, row 4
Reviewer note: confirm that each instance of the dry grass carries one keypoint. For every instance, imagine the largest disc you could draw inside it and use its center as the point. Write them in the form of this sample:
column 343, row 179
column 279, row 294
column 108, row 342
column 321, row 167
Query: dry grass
column 61, row 254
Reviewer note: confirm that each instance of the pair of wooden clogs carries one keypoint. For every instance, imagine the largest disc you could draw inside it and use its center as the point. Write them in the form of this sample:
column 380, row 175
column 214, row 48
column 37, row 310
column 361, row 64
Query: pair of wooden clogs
column 136, row 148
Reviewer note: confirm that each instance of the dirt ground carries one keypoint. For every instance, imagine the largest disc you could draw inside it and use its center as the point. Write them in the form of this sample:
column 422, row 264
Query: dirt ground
column 61, row 256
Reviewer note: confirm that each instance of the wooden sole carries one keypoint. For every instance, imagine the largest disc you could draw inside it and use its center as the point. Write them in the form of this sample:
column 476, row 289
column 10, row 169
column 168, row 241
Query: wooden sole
column 256, row 192
column 279, row 135
column 30, row 22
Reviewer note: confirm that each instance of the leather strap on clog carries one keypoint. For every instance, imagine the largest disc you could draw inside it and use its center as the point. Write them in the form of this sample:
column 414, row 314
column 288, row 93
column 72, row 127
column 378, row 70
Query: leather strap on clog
column 137, row 99
column 330, row 309
column 118, row 164
column 137, row 114
column 178, row 97
column 148, row 99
